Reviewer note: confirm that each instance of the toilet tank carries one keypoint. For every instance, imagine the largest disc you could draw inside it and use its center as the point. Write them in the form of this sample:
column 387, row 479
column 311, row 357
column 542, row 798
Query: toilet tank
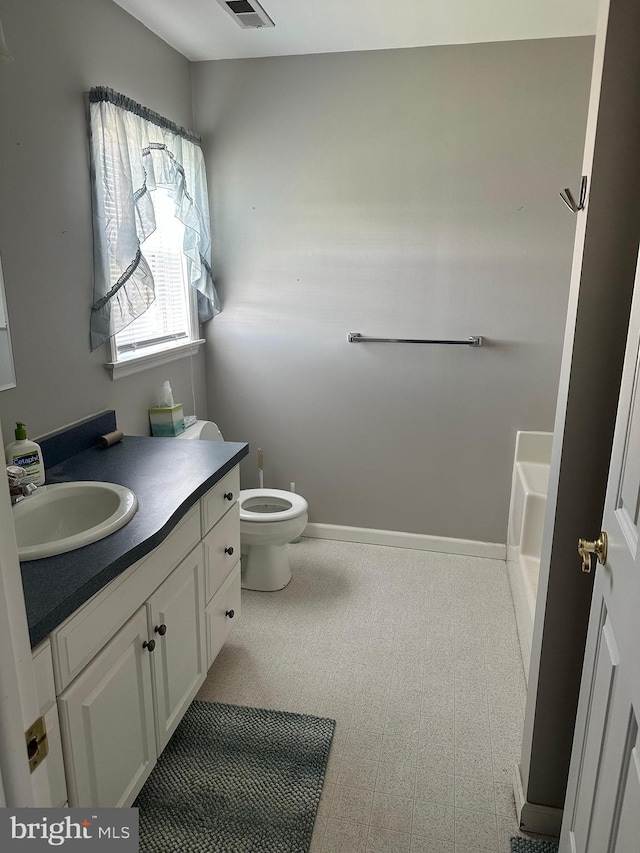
column 204, row 430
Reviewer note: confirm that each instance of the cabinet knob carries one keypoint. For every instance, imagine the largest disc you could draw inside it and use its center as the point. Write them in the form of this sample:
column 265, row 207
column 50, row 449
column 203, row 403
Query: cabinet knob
column 230, row 614
column 228, row 496
column 149, row 644
column 229, row 550
column 160, row 629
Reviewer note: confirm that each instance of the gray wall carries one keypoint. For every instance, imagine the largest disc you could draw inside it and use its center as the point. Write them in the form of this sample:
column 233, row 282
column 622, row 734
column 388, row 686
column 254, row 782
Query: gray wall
column 409, row 193
column 61, row 48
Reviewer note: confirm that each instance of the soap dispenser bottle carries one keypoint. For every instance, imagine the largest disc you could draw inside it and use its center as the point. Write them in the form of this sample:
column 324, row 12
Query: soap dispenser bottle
column 27, row 454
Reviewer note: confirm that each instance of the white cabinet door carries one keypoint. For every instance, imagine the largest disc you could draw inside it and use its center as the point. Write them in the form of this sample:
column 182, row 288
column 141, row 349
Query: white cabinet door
column 56, row 795
column 108, row 721
column 176, row 613
column 55, row 762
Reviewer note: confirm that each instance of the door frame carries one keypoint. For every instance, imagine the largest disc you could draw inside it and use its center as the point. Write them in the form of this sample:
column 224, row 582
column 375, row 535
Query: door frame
column 603, row 272
column 18, row 692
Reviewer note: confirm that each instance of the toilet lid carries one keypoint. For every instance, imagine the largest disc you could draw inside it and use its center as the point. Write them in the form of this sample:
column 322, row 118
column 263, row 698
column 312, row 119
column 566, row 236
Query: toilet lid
column 264, row 505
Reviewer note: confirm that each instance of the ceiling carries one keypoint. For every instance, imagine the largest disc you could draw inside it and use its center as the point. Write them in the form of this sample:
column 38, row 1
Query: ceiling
column 201, row 29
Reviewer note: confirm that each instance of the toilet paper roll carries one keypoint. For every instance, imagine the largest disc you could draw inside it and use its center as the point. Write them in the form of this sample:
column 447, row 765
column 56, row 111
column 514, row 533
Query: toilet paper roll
column 204, row 430
column 110, row 438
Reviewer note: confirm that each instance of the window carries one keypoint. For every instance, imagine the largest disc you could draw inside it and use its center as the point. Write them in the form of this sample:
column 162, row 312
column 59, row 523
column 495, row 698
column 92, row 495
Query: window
column 152, row 283
column 7, row 372
column 170, row 320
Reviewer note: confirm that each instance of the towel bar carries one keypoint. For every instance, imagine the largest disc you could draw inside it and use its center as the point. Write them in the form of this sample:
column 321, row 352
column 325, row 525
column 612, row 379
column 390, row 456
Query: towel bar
column 357, row 338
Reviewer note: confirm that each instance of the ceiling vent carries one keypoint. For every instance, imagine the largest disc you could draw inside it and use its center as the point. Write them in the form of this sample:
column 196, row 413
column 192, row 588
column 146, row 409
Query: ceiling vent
column 248, row 13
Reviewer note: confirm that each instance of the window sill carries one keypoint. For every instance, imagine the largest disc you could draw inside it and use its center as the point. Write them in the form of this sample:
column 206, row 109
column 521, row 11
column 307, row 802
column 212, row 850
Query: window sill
column 136, row 364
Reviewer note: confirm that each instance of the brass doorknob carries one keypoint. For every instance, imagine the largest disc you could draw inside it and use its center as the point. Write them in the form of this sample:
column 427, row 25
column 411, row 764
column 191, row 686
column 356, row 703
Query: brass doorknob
column 599, row 548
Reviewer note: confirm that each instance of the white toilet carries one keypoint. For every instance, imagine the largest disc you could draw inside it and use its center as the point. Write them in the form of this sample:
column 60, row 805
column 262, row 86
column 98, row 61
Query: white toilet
column 269, row 519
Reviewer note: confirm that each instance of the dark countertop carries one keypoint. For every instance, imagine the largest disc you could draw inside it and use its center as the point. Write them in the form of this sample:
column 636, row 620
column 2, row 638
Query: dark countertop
column 167, row 476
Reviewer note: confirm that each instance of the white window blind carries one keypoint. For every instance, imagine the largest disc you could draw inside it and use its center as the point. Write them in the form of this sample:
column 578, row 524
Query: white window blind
column 168, row 317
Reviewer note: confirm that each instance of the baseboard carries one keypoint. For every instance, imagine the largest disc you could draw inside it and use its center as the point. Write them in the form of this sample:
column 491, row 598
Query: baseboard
column 533, row 817
column 416, row 541
column 513, row 553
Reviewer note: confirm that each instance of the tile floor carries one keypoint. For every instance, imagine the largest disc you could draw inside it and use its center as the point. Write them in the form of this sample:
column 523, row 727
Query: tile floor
column 415, row 655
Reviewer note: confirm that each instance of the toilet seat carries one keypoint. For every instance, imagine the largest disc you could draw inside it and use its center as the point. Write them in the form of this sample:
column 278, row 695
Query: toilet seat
column 277, row 505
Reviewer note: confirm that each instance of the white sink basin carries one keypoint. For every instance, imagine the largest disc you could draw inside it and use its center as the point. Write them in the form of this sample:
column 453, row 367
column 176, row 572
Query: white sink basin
column 66, row 516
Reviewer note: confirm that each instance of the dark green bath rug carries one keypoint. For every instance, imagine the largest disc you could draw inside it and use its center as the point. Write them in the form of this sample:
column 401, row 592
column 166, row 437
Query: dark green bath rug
column 530, row 845
column 236, row 780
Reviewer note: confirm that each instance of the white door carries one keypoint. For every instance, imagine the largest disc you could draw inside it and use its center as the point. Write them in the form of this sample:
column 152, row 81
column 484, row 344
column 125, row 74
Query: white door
column 108, row 721
column 602, row 809
column 176, row 611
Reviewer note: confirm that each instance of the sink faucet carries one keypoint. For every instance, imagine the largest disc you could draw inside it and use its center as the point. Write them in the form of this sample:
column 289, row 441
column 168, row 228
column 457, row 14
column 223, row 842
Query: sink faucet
column 17, row 489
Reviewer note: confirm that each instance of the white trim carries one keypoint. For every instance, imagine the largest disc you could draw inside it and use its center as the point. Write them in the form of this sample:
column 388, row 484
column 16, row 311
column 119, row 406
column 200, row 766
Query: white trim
column 416, row 541
column 532, row 817
column 18, row 693
column 119, row 369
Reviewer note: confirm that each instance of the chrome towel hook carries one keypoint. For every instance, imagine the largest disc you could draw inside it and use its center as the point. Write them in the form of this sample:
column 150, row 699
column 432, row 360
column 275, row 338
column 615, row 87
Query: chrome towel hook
column 569, row 200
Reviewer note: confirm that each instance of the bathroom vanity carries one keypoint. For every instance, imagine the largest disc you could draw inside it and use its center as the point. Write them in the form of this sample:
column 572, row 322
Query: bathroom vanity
column 119, row 669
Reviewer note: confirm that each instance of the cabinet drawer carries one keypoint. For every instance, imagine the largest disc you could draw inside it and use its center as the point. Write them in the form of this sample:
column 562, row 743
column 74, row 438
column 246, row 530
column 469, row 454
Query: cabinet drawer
column 215, row 504
column 221, row 550
column 79, row 639
column 219, row 622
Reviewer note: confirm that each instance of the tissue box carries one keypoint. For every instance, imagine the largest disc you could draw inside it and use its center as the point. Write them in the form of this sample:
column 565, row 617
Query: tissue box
column 166, row 421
